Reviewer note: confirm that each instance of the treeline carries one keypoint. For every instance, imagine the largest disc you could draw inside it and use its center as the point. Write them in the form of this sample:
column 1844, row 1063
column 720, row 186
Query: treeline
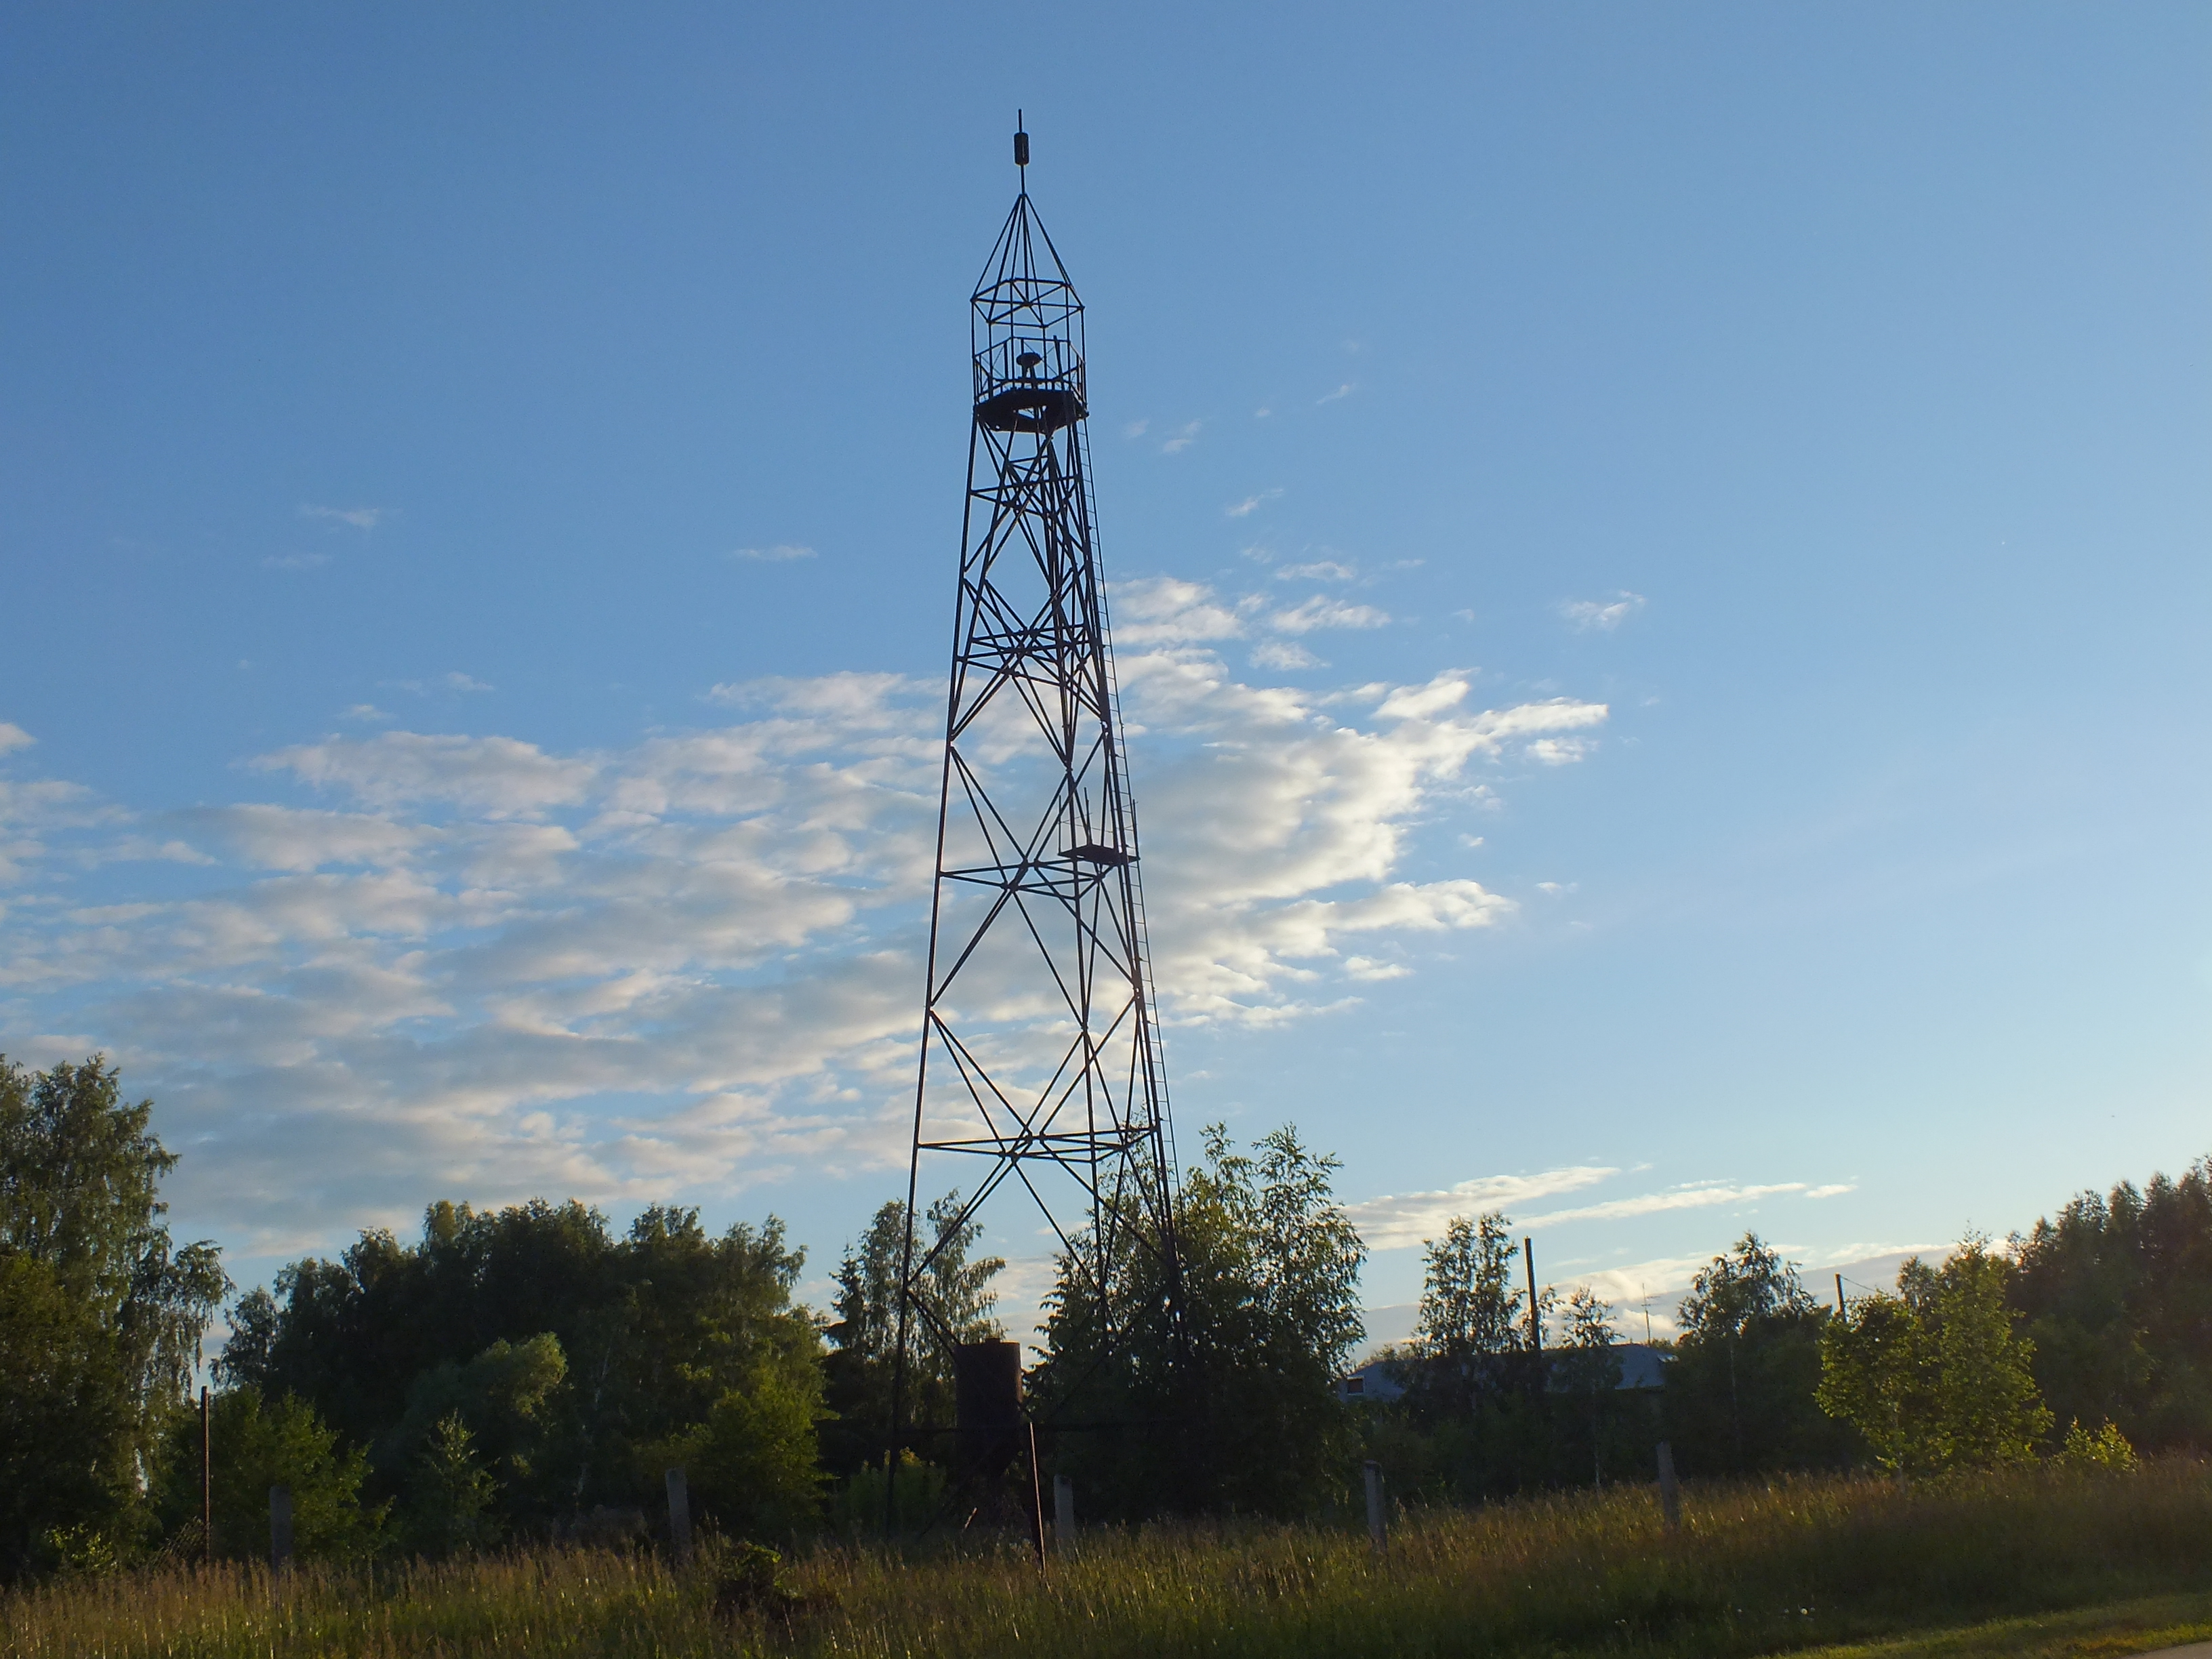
column 529, row 1372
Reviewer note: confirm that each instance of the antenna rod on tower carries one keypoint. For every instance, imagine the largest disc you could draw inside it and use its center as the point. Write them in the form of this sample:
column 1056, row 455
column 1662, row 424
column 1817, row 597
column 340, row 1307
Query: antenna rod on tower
column 1022, row 149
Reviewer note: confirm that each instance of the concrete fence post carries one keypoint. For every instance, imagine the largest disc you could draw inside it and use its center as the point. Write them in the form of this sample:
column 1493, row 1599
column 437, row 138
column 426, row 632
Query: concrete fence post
column 1376, row 1533
column 1670, row 1489
column 280, row 1528
column 1063, row 1511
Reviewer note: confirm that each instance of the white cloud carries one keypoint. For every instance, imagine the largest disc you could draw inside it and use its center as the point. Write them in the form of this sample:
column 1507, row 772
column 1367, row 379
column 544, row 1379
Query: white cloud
column 1560, row 751
column 1182, row 439
column 1604, row 615
column 1695, row 1195
column 1321, row 612
column 1166, row 611
column 14, row 737
column 781, row 554
column 1396, row 1221
column 1654, row 1287
column 1402, row 1221
column 295, row 561
column 1367, row 968
column 498, row 777
column 1280, row 654
column 1322, row 570
column 452, row 680
column 429, row 963
column 1344, row 391
column 366, row 713
column 360, row 518
column 1136, row 428
column 1251, row 504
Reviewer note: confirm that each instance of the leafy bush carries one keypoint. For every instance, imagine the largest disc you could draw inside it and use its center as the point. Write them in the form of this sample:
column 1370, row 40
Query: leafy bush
column 257, row 1444
column 1936, row 1377
column 2107, row 1449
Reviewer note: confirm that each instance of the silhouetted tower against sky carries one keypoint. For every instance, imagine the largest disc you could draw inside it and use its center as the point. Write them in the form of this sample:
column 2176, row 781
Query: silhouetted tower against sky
column 1041, row 1065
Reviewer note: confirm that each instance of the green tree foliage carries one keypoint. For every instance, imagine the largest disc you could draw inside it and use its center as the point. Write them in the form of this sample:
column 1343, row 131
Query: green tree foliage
column 2106, row 1449
column 752, row 1463
column 506, row 1401
column 1936, row 1377
column 258, row 1444
column 1469, row 1341
column 573, row 1360
column 857, row 1510
column 450, row 1493
column 955, row 1293
column 2117, row 1290
column 1484, row 1414
column 1583, row 1374
column 1742, row 1382
column 1234, row 1409
column 101, row 1314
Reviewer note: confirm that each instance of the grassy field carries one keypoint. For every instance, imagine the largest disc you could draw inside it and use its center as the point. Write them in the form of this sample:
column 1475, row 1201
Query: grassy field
column 2110, row 1629
column 2097, row 1561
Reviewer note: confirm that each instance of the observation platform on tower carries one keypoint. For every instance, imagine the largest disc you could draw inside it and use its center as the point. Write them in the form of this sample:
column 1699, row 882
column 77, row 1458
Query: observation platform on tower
column 1028, row 333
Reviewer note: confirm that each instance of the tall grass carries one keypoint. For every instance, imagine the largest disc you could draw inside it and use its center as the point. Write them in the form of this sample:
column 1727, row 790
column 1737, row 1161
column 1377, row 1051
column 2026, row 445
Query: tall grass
column 1756, row 1568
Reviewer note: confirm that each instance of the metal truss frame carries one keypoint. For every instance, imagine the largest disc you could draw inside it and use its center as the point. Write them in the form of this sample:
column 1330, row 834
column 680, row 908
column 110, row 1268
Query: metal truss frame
column 1045, row 855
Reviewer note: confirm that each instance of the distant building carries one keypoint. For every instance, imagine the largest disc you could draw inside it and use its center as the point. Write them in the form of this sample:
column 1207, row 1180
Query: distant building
column 1643, row 1368
column 1372, row 1380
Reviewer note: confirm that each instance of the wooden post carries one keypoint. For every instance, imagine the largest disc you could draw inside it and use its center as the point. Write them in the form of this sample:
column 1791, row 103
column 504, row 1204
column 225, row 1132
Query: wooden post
column 1670, row 1489
column 1063, row 1513
column 280, row 1528
column 207, row 1480
column 1843, row 1307
column 679, row 1514
column 1376, row 1533
column 1535, row 1308
column 1036, row 1495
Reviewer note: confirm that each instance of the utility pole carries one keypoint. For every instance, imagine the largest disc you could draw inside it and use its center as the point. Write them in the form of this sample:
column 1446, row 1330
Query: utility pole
column 1535, row 1308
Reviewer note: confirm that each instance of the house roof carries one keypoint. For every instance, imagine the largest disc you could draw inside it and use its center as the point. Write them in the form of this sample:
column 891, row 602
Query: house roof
column 1643, row 1366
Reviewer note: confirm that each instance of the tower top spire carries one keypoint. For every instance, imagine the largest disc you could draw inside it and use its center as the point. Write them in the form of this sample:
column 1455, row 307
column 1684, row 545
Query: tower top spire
column 1022, row 149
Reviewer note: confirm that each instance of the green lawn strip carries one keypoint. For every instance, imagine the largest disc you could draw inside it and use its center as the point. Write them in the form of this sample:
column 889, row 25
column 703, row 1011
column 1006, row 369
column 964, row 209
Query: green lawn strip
column 2142, row 1625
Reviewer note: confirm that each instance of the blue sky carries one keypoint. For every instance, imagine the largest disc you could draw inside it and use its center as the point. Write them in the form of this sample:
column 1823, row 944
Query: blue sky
column 1699, row 515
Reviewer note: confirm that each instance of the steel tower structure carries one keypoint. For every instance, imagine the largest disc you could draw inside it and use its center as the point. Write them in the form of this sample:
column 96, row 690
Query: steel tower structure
column 1040, row 1060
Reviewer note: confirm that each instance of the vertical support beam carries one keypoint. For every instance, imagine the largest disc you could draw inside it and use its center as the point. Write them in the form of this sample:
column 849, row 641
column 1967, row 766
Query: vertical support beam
column 1377, row 1530
column 1670, row 1489
column 1843, row 1307
column 280, row 1528
column 679, row 1514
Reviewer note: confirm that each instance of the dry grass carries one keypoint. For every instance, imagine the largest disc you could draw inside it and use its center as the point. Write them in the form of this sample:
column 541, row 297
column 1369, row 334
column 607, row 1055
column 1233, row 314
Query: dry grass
column 1758, row 1569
